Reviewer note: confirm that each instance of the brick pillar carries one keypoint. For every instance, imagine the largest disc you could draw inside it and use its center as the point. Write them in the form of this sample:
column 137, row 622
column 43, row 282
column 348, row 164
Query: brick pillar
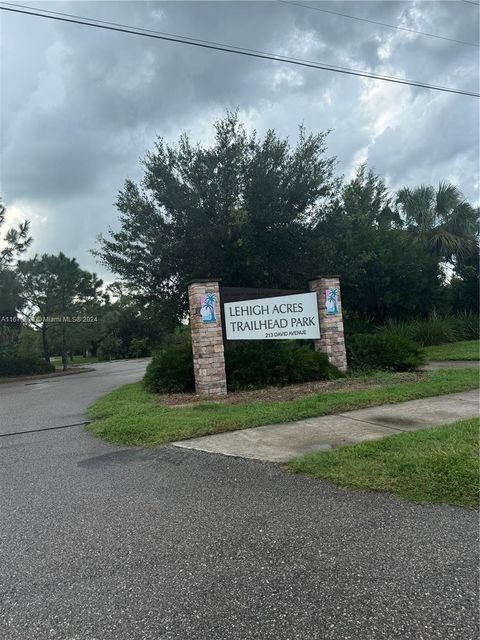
column 207, row 338
column 332, row 340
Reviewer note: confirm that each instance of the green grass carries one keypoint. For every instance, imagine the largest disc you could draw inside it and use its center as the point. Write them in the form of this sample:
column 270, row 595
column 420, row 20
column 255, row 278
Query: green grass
column 466, row 350
column 439, row 464
column 131, row 416
column 80, row 360
column 77, row 361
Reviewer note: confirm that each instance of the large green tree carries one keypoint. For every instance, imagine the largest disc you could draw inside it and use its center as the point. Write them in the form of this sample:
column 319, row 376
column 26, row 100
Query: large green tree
column 259, row 212
column 120, row 328
column 465, row 283
column 242, row 209
column 13, row 243
column 127, row 329
column 383, row 274
column 56, row 290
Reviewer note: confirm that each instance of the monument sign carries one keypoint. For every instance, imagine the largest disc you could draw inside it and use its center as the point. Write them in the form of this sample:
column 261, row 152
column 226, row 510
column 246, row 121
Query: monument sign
column 265, row 314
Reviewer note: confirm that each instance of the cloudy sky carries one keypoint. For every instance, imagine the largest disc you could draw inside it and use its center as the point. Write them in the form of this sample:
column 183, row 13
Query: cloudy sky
column 80, row 106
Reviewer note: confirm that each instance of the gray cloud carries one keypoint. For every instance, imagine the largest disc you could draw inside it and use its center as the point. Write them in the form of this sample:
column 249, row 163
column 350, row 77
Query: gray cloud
column 80, row 106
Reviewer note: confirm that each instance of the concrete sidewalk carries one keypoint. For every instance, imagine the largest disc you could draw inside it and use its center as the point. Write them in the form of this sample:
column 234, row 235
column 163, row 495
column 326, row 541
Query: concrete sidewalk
column 281, row 442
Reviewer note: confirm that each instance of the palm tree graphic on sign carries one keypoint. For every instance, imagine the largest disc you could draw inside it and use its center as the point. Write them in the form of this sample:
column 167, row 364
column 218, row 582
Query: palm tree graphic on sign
column 331, row 298
column 207, row 308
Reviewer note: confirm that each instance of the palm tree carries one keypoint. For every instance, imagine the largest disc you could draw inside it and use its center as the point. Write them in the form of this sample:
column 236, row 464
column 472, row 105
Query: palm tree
column 442, row 218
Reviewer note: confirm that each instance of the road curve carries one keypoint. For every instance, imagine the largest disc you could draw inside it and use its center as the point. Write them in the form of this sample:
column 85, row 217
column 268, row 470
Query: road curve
column 53, row 402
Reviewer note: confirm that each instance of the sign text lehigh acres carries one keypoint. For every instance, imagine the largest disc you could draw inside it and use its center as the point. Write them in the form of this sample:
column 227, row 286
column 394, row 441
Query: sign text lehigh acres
column 293, row 317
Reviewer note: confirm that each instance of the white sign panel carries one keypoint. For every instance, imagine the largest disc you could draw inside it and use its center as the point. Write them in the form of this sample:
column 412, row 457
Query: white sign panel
column 292, row 317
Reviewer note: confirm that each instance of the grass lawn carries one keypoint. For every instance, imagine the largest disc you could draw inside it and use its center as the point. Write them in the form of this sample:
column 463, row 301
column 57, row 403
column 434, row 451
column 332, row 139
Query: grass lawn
column 80, row 360
column 466, row 350
column 439, row 464
column 77, row 361
column 131, row 416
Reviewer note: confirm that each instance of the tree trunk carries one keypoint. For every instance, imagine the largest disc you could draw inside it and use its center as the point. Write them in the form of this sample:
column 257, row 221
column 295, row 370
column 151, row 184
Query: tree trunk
column 46, row 350
column 64, row 348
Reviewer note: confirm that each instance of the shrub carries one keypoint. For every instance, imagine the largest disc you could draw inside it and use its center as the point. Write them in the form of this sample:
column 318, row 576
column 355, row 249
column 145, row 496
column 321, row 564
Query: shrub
column 109, row 347
column 352, row 326
column 139, row 348
column 383, row 350
column 12, row 365
column 171, row 368
column 468, row 326
column 249, row 365
column 253, row 365
column 437, row 330
column 28, row 344
column 424, row 332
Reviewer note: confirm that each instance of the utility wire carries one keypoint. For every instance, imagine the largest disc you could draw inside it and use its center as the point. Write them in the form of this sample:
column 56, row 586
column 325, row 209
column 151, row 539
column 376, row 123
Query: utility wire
column 193, row 40
column 383, row 24
column 206, row 44
column 477, row 4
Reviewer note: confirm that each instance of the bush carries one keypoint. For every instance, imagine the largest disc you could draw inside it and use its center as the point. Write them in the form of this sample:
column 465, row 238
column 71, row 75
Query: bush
column 258, row 364
column 28, row 344
column 352, row 326
column 468, row 326
column 171, row 369
column 249, row 365
column 109, row 348
column 12, row 365
column 437, row 330
column 139, row 348
column 384, row 350
column 423, row 332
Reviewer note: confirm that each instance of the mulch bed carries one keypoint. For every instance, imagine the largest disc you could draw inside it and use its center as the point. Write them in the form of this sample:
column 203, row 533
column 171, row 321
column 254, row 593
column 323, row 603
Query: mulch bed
column 292, row 392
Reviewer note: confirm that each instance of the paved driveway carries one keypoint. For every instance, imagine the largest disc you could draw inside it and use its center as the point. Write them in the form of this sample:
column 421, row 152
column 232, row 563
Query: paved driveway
column 103, row 543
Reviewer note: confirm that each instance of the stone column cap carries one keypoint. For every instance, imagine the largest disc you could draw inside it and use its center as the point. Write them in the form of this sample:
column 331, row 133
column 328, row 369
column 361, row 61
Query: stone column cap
column 203, row 280
column 322, row 278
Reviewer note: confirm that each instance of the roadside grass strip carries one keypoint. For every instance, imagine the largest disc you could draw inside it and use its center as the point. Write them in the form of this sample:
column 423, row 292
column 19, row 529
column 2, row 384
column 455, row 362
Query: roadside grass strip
column 466, row 350
column 132, row 416
column 438, row 464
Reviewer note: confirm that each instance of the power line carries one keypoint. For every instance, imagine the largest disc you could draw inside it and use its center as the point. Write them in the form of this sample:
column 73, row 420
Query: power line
column 206, row 44
column 192, row 40
column 383, row 24
column 126, row 26
column 477, row 4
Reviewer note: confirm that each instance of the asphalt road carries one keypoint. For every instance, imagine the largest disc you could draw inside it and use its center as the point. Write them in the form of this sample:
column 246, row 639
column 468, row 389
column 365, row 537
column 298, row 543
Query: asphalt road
column 103, row 543
column 49, row 402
